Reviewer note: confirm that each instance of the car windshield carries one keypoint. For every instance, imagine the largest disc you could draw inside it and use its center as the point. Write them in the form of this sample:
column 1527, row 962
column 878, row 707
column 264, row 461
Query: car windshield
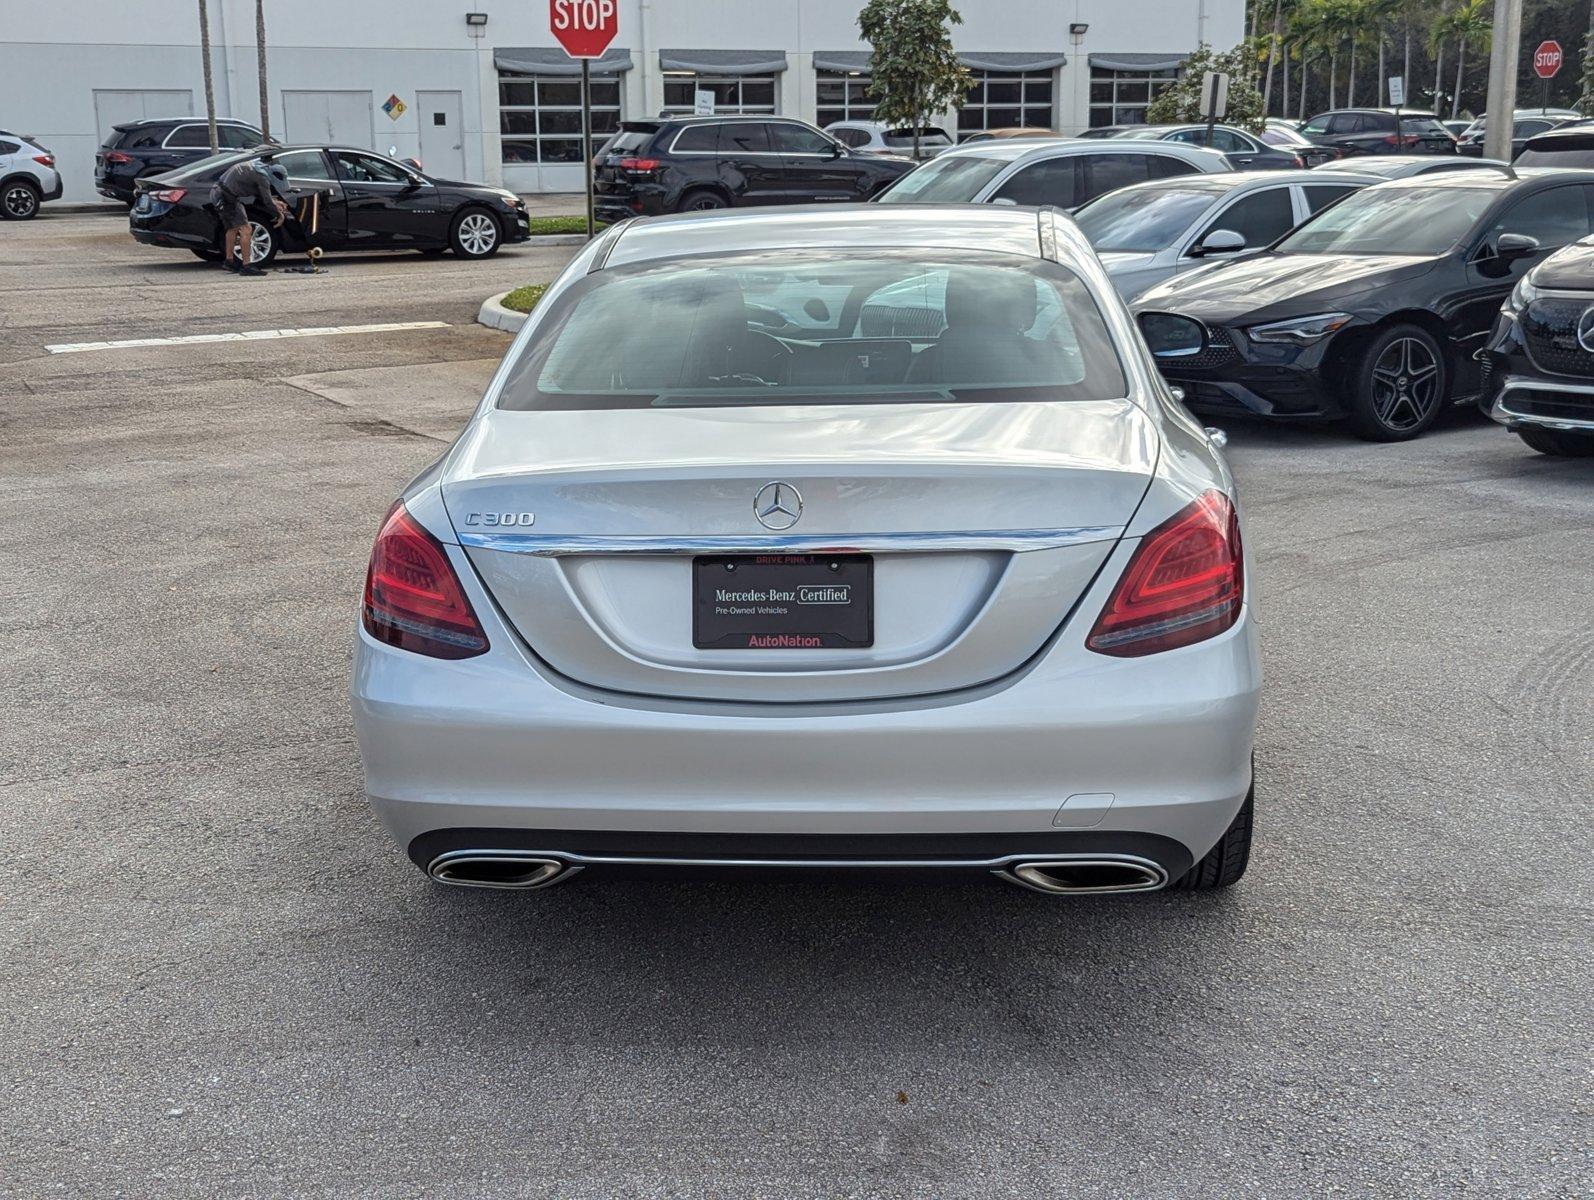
column 881, row 327
column 1576, row 153
column 1143, row 220
column 944, row 180
column 1392, row 219
column 1277, row 135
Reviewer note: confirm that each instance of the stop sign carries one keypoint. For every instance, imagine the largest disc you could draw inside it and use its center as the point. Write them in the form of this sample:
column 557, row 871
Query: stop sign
column 584, row 27
column 1547, row 59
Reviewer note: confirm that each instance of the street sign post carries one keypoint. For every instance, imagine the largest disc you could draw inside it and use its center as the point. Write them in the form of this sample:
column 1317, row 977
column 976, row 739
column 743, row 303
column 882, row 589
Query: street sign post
column 585, row 28
column 1547, row 61
column 1214, row 99
column 1397, row 97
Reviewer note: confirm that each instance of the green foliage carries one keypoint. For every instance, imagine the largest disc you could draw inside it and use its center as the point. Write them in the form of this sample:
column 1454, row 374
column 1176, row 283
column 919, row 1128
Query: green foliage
column 541, row 226
column 914, row 72
column 524, row 299
column 1181, row 102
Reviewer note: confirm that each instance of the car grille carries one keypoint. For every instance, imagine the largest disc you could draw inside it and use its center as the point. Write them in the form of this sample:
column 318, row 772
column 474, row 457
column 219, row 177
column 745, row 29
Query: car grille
column 1550, row 328
column 1218, row 352
column 1550, row 404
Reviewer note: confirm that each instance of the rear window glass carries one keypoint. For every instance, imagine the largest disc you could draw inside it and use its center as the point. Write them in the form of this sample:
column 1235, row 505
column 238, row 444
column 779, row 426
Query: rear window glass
column 863, row 328
column 944, row 181
column 630, row 140
column 1577, row 154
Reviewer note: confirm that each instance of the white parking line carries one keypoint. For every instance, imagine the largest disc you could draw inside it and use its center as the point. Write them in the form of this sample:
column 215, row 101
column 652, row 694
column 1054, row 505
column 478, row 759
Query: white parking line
column 251, row 335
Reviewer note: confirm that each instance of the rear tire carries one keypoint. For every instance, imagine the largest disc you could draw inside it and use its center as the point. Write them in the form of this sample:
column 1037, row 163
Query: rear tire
column 1398, row 385
column 1225, row 862
column 475, row 234
column 20, row 201
column 1557, row 442
column 701, row 200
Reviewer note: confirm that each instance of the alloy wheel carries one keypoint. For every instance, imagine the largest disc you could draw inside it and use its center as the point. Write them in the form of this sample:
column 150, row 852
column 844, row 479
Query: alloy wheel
column 1405, row 384
column 477, row 233
column 20, row 201
column 259, row 242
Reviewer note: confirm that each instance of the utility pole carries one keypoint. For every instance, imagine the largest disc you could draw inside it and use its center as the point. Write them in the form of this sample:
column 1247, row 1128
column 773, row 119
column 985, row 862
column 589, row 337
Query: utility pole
column 210, row 90
column 1502, row 101
column 260, row 54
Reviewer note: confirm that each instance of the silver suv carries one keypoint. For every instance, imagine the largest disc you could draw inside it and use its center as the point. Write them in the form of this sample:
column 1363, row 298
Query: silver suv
column 27, row 177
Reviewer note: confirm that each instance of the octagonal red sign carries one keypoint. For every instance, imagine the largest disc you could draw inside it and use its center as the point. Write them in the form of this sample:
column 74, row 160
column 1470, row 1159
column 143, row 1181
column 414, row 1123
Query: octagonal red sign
column 584, row 27
column 1547, row 59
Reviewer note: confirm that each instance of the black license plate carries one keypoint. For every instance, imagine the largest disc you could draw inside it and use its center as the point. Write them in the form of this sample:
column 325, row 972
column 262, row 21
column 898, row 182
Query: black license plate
column 782, row 601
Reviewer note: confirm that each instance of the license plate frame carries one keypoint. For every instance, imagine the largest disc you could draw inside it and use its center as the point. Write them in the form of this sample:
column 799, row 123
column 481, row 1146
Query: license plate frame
column 789, row 602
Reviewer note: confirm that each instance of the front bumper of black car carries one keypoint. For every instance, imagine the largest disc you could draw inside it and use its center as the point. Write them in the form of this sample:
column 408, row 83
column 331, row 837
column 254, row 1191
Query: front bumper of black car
column 1523, row 389
column 1233, row 375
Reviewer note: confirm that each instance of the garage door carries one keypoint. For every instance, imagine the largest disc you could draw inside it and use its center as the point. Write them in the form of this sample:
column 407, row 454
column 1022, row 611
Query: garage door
column 322, row 118
column 114, row 107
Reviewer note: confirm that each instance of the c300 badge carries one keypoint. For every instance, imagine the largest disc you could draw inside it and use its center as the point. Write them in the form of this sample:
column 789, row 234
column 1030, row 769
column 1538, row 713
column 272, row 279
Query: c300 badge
column 494, row 519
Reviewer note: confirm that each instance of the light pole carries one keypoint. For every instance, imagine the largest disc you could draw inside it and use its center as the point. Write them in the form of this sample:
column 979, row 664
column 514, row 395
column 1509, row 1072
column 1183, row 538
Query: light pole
column 1502, row 102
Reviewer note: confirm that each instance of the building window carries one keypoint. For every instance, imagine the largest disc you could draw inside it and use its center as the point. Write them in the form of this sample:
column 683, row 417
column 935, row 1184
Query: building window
column 732, row 93
column 1121, row 97
column 1005, row 99
column 842, row 96
column 540, row 116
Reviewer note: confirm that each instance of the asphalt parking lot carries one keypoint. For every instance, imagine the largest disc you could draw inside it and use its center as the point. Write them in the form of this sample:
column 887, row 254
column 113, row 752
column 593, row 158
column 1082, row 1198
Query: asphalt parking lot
column 219, row 978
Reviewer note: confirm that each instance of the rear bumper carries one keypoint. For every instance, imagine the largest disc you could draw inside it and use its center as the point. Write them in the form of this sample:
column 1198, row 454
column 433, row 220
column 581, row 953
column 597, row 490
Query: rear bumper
column 1076, row 744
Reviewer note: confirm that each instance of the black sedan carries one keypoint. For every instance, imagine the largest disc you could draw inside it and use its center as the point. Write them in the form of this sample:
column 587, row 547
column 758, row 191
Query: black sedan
column 1370, row 310
column 679, row 164
column 344, row 199
column 1539, row 357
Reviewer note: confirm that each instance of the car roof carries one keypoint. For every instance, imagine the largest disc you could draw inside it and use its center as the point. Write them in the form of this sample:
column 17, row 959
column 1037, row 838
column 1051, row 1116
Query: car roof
column 142, row 121
column 1569, row 134
column 1497, row 181
column 1038, row 149
column 1221, row 183
column 995, row 228
column 1405, row 112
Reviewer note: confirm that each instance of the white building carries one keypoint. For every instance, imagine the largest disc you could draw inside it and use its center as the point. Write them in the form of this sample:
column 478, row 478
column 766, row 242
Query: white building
column 499, row 101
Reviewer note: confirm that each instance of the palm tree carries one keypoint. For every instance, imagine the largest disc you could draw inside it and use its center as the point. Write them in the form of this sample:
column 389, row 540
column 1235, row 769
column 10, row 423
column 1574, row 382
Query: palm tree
column 1381, row 15
column 210, row 91
column 1272, row 53
column 1468, row 21
column 260, row 54
column 1437, row 32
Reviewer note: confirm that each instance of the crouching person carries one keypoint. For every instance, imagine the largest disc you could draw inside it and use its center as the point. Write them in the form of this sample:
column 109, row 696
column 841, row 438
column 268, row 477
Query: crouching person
column 256, row 182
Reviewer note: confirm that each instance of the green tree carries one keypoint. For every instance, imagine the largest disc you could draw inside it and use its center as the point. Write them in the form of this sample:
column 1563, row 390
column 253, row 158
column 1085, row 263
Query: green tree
column 914, row 72
column 1180, row 102
column 1470, row 21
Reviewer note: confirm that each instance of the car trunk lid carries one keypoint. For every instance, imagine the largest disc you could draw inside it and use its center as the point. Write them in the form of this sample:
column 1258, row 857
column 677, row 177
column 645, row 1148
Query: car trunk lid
column 983, row 525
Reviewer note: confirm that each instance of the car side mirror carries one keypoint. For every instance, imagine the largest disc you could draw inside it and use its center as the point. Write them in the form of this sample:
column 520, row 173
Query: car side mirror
column 836, row 150
column 1219, row 241
column 1512, row 246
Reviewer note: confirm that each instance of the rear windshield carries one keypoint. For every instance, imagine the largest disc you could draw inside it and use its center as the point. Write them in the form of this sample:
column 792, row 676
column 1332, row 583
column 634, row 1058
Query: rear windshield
column 1423, row 126
column 790, row 329
column 1391, row 219
column 927, row 133
column 944, row 181
column 629, row 140
column 1578, row 153
column 1144, row 221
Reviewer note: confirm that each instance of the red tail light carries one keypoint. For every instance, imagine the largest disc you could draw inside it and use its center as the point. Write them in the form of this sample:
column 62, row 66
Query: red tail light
column 44, row 160
column 116, row 156
column 413, row 599
column 1300, row 162
column 170, row 195
column 1184, row 583
column 1398, row 139
column 639, row 164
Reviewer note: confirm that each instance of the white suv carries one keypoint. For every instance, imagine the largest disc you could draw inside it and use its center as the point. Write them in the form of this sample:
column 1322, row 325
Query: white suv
column 27, row 177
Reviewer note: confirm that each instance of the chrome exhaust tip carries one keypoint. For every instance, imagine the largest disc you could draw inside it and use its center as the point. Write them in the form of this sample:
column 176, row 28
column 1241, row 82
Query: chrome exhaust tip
column 499, row 869
column 1084, row 876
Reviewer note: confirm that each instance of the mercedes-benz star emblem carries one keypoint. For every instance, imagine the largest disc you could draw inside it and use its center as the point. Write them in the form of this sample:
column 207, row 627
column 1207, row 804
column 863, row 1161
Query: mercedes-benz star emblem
column 1585, row 330
column 777, row 506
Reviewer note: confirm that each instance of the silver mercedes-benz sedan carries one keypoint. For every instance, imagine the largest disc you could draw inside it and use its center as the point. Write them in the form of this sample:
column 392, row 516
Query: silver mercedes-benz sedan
column 864, row 538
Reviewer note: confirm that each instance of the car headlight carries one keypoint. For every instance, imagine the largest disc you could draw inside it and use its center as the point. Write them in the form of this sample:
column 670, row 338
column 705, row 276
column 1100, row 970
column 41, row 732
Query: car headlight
column 1522, row 295
column 1300, row 331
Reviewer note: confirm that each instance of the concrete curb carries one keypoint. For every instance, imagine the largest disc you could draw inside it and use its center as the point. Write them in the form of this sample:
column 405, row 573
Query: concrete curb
column 494, row 315
column 556, row 239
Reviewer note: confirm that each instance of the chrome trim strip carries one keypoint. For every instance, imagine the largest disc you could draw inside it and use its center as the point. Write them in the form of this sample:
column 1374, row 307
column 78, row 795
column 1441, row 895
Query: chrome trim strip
column 1015, row 541
column 1506, row 415
column 1005, row 865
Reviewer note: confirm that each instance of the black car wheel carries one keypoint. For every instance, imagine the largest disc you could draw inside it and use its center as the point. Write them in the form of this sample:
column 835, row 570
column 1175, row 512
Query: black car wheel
column 474, row 234
column 1225, row 863
column 701, row 200
column 1558, row 442
column 20, row 201
column 1399, row 386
